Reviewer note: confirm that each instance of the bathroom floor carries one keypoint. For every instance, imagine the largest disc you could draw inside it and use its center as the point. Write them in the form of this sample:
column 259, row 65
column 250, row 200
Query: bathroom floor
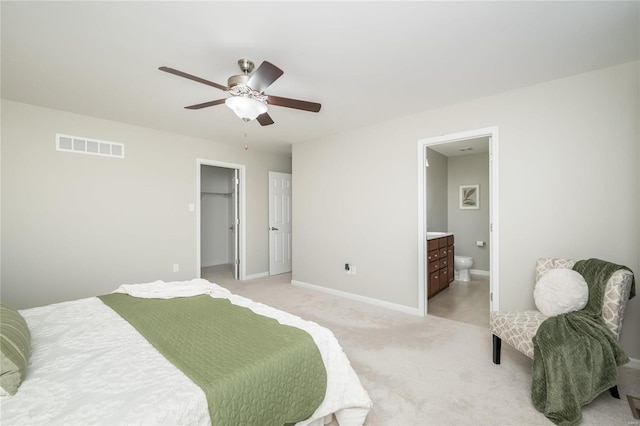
column 466, row 302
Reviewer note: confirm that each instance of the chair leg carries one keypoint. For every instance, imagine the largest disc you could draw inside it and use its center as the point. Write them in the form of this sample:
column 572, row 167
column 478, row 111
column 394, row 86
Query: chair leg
column 497, row 344
column 614, row 392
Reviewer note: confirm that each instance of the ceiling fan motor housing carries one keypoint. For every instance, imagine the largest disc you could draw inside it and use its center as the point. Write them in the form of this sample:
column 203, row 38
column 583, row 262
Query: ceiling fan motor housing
column 235, row 80
column 246, row 66
column 238, row 87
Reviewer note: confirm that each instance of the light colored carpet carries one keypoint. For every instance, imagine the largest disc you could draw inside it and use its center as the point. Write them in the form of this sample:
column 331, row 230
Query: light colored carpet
column 426, row 371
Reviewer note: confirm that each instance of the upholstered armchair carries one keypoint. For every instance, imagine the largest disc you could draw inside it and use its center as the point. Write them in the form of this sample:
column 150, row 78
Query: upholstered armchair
column 517, row 328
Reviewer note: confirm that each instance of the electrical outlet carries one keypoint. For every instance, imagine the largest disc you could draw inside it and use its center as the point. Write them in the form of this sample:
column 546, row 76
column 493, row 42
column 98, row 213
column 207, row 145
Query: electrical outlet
column 347, row 269
column 353, row 270
column 176, row 267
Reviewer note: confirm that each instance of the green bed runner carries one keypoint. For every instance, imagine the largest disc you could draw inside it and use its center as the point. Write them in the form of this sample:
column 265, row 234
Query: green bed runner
column 253, row 370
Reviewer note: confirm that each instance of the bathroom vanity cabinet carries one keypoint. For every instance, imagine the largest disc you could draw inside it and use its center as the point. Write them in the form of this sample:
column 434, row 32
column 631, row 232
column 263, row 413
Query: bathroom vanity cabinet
column 440, row 252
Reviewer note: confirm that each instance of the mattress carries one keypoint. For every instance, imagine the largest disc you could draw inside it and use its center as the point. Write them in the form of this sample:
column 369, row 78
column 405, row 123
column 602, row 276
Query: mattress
column 90, row 366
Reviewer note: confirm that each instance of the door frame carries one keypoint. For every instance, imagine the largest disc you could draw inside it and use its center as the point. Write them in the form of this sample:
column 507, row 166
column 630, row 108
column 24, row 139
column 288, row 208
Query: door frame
column 241, row 213
column 494, row 223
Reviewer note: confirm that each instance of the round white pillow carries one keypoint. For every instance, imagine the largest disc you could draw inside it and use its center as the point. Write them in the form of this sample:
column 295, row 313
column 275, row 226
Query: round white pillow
column 560, row 291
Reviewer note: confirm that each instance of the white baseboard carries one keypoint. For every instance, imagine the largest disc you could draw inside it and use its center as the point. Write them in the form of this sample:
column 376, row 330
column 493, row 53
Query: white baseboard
column 351, row 296
column 255, row 276
column 633, row 363
column 479, row 272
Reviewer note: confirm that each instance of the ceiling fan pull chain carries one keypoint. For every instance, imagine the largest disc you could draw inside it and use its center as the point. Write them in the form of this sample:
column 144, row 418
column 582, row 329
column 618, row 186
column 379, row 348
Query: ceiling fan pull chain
column 246, row 145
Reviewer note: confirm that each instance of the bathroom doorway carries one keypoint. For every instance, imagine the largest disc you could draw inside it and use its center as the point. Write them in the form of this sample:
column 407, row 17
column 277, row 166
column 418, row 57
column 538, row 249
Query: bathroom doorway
column 220, row 219
column 448, row 165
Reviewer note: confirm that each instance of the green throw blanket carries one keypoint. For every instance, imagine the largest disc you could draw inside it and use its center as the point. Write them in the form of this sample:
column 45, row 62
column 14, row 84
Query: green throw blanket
column 253, row 370
column 575, row 355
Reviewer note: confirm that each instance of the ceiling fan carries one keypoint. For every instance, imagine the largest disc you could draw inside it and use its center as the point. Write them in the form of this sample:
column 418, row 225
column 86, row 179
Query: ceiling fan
column 248, row 99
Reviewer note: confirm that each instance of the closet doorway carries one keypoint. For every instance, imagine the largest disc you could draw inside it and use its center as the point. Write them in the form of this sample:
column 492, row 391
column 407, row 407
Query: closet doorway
column 220, row 221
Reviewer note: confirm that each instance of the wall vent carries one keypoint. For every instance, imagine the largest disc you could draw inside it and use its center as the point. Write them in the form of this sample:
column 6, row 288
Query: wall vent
column 89, row 146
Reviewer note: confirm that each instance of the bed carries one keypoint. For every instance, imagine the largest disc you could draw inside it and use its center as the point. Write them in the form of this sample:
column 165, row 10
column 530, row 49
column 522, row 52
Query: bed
column 90, row 365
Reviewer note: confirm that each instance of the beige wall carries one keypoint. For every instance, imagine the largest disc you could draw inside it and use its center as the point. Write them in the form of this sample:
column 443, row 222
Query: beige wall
column 568, row 186
column 79, row 225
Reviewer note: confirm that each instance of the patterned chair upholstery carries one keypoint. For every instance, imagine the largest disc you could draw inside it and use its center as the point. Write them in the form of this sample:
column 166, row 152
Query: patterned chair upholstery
column 517, row 328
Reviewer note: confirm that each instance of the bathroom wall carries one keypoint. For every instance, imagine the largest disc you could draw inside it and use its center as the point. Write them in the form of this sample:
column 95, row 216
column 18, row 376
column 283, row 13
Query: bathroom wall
column 437, row 219
column 444, row 176
column 470, row 226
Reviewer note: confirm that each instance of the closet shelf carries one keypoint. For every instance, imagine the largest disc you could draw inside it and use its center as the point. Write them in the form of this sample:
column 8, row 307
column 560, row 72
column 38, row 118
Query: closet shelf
column 226, row 194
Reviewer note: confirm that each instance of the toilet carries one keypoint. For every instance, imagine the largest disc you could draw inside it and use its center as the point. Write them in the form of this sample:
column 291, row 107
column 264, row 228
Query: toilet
column 462, row 264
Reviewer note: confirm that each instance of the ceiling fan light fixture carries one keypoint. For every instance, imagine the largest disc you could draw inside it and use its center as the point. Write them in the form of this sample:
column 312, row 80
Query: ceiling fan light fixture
column 245, row 107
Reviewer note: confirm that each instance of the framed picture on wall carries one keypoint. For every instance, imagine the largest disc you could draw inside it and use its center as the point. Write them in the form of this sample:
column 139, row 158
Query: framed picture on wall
column 469, row 197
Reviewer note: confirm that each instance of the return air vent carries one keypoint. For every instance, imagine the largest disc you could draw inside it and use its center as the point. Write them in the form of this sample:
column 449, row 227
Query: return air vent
column 89, row 146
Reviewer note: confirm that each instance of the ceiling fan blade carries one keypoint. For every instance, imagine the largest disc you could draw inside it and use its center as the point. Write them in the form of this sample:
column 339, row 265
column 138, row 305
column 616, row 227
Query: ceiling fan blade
column 264, row 76
column 293, row 103
column 264, row 119
column 193, row 77
column 206, row 104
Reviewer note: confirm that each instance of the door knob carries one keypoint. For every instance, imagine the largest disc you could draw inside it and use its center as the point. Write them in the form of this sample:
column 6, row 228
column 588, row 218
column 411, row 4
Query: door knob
column 273, row 228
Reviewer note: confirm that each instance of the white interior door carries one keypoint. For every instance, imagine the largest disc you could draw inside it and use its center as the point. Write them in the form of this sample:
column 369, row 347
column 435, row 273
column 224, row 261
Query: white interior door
column 235, row 221
column 279, row 223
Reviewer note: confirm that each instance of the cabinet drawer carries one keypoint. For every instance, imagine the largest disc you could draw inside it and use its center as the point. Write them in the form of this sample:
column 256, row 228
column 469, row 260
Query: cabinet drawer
column 450, row 240
column 443, row 252
column 442, row 242
column 434, row 265
column 433, row 255
column 443, row 261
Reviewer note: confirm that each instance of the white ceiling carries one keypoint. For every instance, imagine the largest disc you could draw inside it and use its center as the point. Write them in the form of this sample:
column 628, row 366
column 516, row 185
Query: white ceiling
column 365, row 62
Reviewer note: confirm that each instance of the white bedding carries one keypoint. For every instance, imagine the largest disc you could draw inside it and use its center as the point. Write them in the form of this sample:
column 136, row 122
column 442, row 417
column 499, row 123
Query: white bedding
column 89, row 366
